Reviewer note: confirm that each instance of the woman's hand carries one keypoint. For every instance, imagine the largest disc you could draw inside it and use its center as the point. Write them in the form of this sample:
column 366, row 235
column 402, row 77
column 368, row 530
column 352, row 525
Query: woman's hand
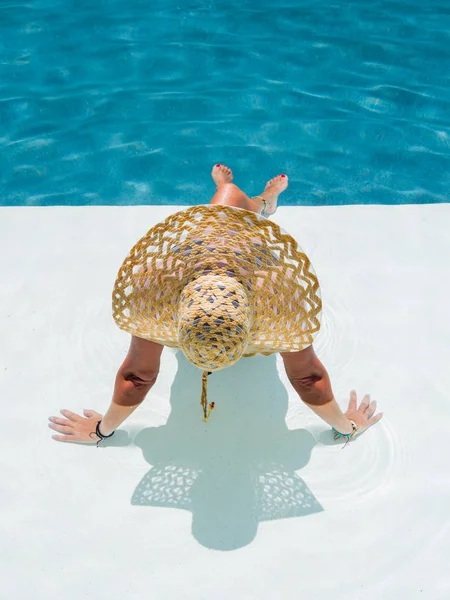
column 76, row 428
column 364, row 415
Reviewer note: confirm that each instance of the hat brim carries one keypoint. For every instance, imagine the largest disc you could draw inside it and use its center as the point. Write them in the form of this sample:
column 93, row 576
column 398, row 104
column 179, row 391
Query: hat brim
column 213, row 239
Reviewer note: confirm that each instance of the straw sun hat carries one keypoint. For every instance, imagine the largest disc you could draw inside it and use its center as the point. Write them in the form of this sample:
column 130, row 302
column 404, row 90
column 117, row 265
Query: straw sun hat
column 219, row 282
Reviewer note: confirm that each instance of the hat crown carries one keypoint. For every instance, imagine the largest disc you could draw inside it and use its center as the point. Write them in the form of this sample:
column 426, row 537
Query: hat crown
column 214, row 321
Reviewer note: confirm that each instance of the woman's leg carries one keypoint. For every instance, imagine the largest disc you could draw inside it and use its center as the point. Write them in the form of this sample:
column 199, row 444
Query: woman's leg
column 228, row 194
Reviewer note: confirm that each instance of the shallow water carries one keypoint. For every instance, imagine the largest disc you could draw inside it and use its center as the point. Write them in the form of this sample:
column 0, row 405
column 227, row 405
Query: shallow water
column 131, row 102
column 260, row 502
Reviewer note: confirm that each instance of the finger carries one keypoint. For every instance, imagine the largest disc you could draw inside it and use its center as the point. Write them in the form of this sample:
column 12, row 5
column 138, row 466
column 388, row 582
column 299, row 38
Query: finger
column 60, row 421
column 90, row 413
column 62, row 428
column 375, row 419
column 370, row 410
column 66, row 438
column 352, row 403
column 365, row 403
column 70, row 415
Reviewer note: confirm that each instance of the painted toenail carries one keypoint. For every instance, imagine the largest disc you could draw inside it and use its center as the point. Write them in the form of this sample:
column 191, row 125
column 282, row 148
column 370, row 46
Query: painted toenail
column 217, row 165
column 283, row 176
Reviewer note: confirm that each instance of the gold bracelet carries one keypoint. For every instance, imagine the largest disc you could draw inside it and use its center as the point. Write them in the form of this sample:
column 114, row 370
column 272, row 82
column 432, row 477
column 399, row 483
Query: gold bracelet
column 263, row 212
column 349, row 436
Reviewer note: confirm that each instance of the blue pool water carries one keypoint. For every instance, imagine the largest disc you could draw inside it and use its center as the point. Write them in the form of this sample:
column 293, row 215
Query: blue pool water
column 132, row 102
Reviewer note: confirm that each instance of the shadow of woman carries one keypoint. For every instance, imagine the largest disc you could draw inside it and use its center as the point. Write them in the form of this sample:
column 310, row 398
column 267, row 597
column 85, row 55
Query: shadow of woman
column 238, row 468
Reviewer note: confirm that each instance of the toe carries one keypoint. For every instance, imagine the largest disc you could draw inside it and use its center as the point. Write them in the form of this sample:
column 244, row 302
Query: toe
column 279, row 181
column 221, row 173
column 225, row 170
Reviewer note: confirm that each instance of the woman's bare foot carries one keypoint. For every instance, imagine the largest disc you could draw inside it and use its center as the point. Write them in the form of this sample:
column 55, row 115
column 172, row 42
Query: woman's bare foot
column 221, row 174
column 273, row 189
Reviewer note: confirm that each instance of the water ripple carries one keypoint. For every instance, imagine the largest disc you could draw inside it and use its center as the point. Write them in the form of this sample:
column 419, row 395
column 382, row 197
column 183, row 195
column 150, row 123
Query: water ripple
column 336, row 98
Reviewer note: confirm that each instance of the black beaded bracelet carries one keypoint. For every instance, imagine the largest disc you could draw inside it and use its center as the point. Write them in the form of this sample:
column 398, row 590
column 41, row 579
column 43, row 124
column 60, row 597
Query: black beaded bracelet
column 100, row 435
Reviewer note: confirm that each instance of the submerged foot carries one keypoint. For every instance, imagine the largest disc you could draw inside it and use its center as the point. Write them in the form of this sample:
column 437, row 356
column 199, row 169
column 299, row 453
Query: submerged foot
column 221, row 174
column 273, row 189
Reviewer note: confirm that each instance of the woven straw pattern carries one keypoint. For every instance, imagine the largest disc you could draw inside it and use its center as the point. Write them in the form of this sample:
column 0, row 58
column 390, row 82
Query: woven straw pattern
column 263, row 268
column 214, row 319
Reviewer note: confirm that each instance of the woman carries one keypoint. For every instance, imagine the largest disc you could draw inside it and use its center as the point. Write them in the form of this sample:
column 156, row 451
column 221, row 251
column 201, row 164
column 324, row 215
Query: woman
column 139, row 307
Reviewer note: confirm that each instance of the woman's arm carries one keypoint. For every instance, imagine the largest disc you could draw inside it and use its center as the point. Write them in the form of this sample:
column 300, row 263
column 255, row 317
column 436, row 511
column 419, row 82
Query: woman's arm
column 310, row 380
column 134, row 379
column 129, row 391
